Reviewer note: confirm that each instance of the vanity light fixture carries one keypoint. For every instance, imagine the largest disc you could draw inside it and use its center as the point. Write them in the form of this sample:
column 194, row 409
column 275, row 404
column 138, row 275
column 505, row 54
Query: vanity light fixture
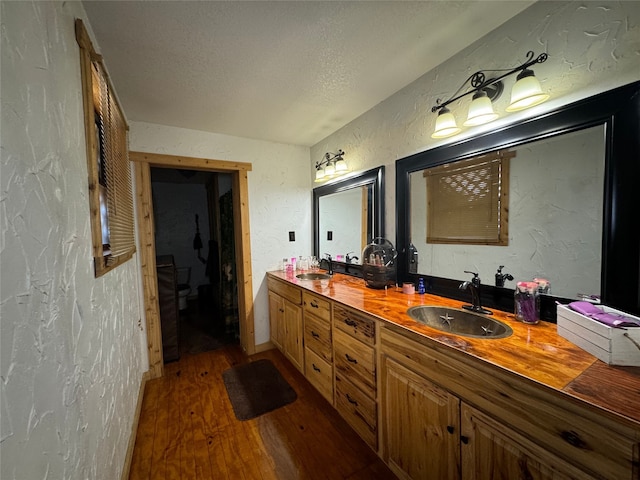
column 331, row 166
column 525, row 93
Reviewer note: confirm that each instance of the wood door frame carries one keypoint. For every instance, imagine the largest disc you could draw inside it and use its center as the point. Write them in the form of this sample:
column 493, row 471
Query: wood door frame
column 146, row 234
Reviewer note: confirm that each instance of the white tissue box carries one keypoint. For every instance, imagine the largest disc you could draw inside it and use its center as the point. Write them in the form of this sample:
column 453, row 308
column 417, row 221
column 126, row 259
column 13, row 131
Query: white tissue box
column 615, row 346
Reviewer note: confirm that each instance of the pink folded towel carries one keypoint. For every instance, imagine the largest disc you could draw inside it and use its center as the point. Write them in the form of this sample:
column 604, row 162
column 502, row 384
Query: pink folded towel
column 588, row 309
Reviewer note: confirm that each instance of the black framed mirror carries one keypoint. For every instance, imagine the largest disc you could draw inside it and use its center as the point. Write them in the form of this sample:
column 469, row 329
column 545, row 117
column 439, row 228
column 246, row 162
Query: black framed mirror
column 347, row 215
column 612, row 118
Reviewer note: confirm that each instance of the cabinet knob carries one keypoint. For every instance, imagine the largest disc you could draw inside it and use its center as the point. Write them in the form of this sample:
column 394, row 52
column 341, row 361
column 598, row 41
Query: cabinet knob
column 572, row 438
column 450, row 428
column 464, row 439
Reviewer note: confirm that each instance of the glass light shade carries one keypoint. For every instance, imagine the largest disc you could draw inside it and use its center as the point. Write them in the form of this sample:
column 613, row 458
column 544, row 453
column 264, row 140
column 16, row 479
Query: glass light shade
column 341, row 165
column 329, row 170
column 526, row 92
column 319, row 175
column 480, row 110
column 445, row 124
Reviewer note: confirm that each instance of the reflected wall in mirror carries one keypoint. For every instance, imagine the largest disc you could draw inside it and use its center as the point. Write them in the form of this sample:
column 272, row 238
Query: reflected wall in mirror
column 554, row 213
column 345, row 223
column 348, row 214
column 574, row 221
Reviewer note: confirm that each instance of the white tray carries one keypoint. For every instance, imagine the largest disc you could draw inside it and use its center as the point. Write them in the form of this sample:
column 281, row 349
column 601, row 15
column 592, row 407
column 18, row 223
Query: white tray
column 615, row 346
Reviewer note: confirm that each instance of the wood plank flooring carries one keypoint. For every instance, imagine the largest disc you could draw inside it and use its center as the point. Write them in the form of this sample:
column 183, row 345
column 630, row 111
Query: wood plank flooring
column 188, row 430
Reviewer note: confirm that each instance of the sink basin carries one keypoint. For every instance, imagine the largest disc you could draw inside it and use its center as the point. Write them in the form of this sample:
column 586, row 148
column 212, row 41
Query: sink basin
column 460, row 322
column 313, row 276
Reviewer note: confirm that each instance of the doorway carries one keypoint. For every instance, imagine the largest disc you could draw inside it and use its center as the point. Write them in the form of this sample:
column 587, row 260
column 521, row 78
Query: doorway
column 143, row 163
column 194, row 232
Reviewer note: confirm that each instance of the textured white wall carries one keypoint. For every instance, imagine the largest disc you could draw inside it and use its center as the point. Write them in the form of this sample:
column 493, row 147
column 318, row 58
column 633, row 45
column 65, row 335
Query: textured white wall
column 592, row 46
column 72, row 353
column 279, row 195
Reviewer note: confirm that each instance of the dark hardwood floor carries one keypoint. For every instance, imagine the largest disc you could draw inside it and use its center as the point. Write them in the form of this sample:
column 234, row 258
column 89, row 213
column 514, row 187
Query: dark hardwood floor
column 188, row 430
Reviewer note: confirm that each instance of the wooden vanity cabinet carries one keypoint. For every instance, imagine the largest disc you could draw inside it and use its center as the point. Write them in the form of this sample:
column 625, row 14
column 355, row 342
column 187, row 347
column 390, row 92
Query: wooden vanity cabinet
column 492, row 451
column 285, row 320
column 422, row 425
column 444, row 418
column 355, row 359
column 318, row 351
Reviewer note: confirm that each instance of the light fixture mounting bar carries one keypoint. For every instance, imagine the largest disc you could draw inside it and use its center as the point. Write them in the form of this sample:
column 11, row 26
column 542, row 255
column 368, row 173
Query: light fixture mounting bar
column 330, row 157
column 479, row 79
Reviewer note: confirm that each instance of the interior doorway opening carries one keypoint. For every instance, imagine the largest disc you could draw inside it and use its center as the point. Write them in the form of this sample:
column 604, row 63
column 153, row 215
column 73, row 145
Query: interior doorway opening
column 194, row 230
column 143, row 163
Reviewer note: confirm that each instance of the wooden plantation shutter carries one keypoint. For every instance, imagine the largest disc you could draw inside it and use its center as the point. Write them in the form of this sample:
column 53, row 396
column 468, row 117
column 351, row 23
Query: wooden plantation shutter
column 110, row 184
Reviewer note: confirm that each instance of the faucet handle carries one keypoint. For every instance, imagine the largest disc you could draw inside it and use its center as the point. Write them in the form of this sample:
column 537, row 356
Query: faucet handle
column 475, row 280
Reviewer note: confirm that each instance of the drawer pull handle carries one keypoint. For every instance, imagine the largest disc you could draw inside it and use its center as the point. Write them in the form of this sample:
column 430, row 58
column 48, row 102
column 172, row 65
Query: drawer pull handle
column 314, row 334
column 351, row 323
column 313, row 304
column 450, row 428
column 464, row 439
column 281, row 310
column 572, row 438
column 314, row 367
column 351, row 400
column 350, row 358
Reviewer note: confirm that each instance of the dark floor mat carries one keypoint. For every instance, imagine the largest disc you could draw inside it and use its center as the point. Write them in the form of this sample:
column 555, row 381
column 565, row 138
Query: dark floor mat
column 256, row 388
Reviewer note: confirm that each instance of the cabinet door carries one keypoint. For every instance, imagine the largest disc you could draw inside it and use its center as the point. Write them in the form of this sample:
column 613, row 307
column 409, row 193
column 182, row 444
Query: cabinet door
column 422, row 425
column 491, row 451
column 276, row 319
column 293, row 345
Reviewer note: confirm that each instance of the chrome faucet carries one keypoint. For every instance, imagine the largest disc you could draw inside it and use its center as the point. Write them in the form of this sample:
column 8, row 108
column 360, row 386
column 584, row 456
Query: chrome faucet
column 474, row 287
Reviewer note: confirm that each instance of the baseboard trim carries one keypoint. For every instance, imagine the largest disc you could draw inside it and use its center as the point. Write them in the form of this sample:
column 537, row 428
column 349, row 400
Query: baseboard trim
column 263, row 347
column 146, row 376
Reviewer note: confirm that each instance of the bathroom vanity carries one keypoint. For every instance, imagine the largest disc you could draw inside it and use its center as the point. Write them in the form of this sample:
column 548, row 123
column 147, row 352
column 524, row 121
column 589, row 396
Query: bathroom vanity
column 435, row 405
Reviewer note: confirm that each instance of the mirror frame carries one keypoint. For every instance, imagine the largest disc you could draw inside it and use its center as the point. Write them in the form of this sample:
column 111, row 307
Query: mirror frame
column 619, row 111
column 374, row 177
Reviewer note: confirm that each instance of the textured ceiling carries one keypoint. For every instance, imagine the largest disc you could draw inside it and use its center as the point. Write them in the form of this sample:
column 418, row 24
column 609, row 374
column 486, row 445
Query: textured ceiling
column 290, row 72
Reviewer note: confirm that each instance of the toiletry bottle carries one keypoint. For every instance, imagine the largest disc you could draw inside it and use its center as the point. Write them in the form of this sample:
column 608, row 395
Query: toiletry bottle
column 421, row 286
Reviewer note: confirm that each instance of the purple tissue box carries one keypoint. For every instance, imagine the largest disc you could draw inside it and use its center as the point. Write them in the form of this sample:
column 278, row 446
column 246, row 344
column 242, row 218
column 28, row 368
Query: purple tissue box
column 612, row 345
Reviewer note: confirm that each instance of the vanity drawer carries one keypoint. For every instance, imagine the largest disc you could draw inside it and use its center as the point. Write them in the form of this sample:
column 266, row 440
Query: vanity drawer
column 285, row 290
column 318, row 306
column 355, row 324
column 319, row 373
column 317, row 337
column 356, row 361
column 358, row 410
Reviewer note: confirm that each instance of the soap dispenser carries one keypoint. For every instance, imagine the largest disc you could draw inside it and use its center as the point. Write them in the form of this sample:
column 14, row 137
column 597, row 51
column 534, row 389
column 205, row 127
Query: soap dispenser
column 501, row 277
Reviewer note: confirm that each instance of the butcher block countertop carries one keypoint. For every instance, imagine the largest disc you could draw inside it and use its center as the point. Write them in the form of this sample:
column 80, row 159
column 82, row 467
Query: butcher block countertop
column 535, row 352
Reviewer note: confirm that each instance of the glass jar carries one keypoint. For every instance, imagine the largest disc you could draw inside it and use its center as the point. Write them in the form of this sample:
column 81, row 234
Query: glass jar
column 527, row 302
column 378, row 263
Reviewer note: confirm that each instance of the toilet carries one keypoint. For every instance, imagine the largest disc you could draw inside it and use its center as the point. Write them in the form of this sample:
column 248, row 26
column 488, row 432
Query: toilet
column 184, row 289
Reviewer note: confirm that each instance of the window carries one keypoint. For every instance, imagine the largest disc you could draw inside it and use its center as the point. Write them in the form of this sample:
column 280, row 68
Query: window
column 110, row 191
column 467, row 201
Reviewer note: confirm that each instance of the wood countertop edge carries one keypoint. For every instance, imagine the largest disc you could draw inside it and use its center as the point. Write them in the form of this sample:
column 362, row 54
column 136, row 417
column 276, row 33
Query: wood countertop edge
column 586, row 380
